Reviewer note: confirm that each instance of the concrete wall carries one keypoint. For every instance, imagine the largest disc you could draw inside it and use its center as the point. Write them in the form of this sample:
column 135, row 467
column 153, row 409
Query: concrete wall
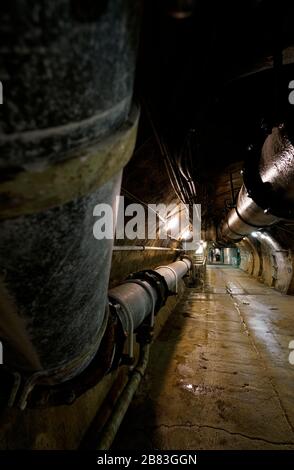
column 269, row 259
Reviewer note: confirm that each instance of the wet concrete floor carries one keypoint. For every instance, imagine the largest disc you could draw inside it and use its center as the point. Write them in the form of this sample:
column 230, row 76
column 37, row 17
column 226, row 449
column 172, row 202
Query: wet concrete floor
column 219, row 375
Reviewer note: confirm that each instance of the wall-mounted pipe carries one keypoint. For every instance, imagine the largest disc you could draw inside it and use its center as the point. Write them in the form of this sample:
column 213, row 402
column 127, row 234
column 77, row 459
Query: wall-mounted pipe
column 137, row 298
column 132, row 297
column 267, row 195
column 144, row 248
column 173, row 272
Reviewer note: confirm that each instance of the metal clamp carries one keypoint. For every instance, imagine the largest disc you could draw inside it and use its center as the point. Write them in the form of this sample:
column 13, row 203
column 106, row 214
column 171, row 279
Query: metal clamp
column 156, row 281
column 126, row 319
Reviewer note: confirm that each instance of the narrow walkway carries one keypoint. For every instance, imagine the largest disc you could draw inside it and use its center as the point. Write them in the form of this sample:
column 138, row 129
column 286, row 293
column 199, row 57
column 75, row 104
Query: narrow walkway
column 219, row 375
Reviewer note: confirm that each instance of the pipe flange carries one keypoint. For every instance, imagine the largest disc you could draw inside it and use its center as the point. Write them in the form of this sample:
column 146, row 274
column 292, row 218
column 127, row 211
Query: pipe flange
column 157, row 281
column 189, row 258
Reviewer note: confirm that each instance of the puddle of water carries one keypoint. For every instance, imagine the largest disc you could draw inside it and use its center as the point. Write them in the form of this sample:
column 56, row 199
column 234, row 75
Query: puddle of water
column 200, row 389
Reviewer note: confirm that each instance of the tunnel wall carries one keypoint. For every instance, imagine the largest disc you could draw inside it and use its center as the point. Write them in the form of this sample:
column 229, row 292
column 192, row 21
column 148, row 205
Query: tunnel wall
column 251, row 261
column 266, row 259
column 124, row 263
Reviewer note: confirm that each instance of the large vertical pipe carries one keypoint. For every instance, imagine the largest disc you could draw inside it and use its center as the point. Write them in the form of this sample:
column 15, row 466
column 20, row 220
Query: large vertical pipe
column 67, row 69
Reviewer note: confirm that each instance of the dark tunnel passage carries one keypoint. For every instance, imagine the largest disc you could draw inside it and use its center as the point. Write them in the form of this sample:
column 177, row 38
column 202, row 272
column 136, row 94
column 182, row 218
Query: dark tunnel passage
column 146, row 225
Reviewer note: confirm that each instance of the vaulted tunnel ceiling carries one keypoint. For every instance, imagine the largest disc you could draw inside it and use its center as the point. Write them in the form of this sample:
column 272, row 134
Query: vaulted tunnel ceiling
column 212, row 81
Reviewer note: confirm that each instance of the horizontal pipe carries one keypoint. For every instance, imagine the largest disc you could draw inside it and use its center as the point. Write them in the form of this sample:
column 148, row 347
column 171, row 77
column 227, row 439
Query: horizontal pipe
column 246, row 217
column 135, row 301
column 143, row 248
column 137, row 297
column 134, row 298
column 173, row 272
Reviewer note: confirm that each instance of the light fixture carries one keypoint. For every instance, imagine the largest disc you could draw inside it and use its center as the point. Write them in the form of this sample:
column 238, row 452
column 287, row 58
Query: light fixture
column 186, row 235
column 172, row 223
column 199, row 250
